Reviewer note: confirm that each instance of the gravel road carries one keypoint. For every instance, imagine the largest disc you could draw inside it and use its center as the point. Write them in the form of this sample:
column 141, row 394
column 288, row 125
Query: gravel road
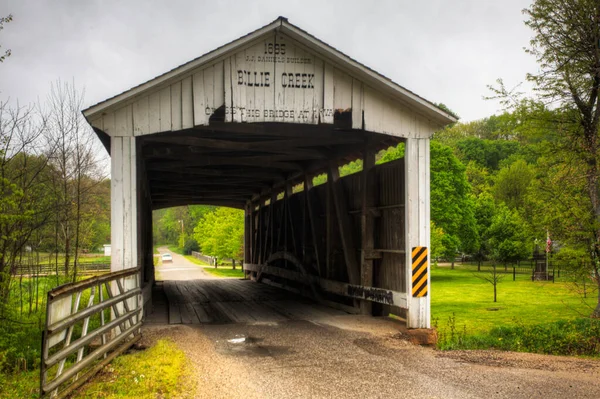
column 363, row 357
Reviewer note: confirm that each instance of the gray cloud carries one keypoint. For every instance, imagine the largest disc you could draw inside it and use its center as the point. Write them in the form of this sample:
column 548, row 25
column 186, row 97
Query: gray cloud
column 445, row 51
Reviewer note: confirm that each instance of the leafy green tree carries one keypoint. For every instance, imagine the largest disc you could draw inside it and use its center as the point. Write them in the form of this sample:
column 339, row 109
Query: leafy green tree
column 507, row 238
column 451, row 205
column 487, row 153
column 220, row 233
column 485, row 210
column 565, row 44
column 390, row 154
column 437, row 244
column 512, row 184
column 479, row 178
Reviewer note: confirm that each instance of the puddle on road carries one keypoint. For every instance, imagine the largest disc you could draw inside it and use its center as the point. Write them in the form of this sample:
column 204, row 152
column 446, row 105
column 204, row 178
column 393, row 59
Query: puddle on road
column 244, row 345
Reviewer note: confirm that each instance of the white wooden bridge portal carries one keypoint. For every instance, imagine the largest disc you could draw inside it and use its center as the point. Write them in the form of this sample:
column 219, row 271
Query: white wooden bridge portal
column 244, row 124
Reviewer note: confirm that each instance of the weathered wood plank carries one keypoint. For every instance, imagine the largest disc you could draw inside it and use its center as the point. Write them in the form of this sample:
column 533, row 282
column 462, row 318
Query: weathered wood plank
column 176, row 107
column 344, row 224
column 308, row 196
column 187, row 103
column 367, row 222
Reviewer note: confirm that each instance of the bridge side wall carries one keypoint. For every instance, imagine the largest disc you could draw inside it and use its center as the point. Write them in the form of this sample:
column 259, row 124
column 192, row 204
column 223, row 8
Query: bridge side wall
column 306, row 225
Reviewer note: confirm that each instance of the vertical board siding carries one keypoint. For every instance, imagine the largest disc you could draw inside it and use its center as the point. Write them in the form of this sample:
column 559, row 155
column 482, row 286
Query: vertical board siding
column 176, row 115
column 116, row 203
column 187, row 103
column 154, row 112
column 124, row 217
column 328, row 93
column 165, row 109
column 254, row 86
column 342, row 91
column 141, row 121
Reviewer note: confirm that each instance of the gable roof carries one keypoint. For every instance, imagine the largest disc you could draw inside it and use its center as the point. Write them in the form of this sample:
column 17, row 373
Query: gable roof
column 281, row 24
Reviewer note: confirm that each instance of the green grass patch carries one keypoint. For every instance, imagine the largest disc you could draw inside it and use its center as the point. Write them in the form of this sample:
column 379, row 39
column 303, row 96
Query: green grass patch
column 461, row 293
column 466, row 317
column 20, row 385
column 176, row 249
column 578, row 337
column 161, row 371
column 220, row 271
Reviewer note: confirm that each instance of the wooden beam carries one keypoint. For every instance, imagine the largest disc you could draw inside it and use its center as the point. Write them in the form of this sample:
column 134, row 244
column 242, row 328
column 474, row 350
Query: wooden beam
column 291, row 228
column 250, row 173
column 234, row 157
column 168, row 203
column 344, row 224
column 367, row 225
column 259, row 162
column 259, row 245
column 308, row 185
column 247, row 228
column 372, row 294
column 165, row 145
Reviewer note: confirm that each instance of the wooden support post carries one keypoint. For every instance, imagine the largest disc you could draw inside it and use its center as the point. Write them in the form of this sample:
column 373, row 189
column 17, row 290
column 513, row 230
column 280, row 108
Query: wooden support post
column 308, row 185
column 272, row 222
column 344, row 224
column 328, row 230
column 417, row 196
column 267, row 234
column 368, row 188
column 288, row 194
column 260, row 232
column 254, row 234
column 247, row 232
column 304, row 230
column 123, row 197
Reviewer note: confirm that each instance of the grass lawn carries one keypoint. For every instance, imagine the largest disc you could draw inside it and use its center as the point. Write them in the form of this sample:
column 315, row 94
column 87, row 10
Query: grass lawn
column 20, row 384
column 176, row 249
column 157, row 372
column 220, row 271
column 523, row 302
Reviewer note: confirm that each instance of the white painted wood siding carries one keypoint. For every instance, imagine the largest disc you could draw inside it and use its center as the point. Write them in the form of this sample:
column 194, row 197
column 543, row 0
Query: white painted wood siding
column 123, row 192
column 417, row 228
column 273, row 79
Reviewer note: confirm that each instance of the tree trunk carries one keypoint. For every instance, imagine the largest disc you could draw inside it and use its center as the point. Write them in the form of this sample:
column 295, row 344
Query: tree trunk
column 596, row 312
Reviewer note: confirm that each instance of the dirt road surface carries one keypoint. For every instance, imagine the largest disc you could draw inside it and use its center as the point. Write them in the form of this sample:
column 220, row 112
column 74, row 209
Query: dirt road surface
column 361, row 357
column 349, row 356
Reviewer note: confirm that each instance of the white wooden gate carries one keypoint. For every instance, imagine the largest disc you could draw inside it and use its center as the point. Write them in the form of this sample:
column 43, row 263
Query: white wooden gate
column 88, row 323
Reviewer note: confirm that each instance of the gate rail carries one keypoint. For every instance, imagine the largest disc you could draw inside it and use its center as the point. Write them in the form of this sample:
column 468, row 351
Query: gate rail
column 88, row 323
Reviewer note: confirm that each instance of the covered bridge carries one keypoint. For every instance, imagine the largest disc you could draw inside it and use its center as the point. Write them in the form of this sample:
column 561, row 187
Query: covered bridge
column 249, row 125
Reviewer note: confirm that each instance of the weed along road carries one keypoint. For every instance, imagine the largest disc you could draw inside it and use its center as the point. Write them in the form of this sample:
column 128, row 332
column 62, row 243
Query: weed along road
column 361, row 357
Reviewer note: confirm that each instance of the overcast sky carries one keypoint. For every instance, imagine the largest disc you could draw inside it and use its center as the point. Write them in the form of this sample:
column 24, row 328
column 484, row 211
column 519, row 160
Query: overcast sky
column 445, row 51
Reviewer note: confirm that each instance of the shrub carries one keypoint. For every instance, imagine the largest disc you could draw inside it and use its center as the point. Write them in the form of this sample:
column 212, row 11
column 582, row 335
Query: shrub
column 578, row 337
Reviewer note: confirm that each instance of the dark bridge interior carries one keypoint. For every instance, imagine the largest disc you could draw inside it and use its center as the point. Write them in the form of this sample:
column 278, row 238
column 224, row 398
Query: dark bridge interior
column 231, row 164
column 302, row 238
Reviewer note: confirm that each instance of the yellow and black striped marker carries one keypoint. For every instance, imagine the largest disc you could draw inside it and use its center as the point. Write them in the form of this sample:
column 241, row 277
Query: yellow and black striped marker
column 420, row 272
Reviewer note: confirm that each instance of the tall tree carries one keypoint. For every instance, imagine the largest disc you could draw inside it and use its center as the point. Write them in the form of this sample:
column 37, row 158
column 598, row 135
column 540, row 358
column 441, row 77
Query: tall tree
column 23, row 193
column 566, row 45
column 73, row 154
